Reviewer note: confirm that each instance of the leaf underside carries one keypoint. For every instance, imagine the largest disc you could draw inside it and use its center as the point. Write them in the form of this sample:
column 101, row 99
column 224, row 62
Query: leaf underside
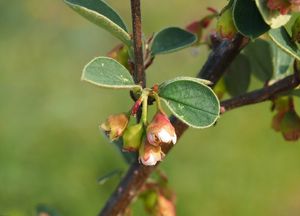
column 283, row 40
column 101, row 14
column 107, row 72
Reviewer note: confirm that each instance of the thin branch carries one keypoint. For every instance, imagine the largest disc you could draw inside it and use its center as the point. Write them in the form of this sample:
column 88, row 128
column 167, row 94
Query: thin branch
column 261, row 95
column 139, row 71
column 137, row 174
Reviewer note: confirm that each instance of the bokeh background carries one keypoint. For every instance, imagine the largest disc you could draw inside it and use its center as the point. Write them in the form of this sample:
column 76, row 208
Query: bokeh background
column 52, row 152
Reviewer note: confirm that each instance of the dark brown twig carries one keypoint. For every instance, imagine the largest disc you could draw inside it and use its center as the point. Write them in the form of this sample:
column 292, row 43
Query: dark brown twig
column 261, row 95
column 221, row 57
column 139, row 71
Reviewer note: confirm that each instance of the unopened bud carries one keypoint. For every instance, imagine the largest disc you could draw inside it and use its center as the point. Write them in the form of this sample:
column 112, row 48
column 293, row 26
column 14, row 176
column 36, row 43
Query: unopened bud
column 132, row 137
column 160, row 130
column 115, row 125
column 120, row 53
column 225, row 25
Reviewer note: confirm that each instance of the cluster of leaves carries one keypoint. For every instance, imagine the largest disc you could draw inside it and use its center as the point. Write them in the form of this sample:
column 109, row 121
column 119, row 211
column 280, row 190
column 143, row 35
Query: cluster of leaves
column 271, row 52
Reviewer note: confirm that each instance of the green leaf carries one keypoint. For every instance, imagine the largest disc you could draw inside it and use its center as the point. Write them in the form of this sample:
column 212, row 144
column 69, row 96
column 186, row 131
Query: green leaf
column 171, row 39
column 283, row 40
column 260, row 55
column 281, row 62
column 191, row 101
column 248, row 19
column 103, row 179
column 101, row 14
column 272, row 17
column 108, row 73
column 237, row 77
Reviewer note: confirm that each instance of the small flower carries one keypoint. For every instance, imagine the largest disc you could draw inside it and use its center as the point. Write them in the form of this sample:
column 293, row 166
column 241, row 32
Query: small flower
column 132, row 137
column 160, row 130
column 149, row 154
column 115, row 125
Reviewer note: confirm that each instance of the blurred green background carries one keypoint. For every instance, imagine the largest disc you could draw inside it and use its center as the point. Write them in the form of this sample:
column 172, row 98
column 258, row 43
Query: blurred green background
column 52, row 152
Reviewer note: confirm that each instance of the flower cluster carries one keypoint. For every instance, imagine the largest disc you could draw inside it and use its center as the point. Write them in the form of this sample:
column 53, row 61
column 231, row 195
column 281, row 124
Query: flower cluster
column 286, row 120
column 284, row 6
column 144, row 138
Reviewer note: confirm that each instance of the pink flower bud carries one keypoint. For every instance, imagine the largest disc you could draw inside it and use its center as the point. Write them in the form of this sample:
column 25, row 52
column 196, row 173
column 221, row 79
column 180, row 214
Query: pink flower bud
column 149, row 155
column 160, row 130
column 115, row 125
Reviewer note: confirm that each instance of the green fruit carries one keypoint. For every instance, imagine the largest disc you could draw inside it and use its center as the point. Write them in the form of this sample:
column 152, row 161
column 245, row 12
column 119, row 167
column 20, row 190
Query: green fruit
column 132, row 137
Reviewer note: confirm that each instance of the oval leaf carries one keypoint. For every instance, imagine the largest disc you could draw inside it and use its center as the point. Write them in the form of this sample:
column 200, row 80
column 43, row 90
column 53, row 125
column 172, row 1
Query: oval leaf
column 172, row 39
column 283, row 40
column 272, row 17
column 191, row 101
column 248, row 19
column 237, row 77
column 107, row 72
column 260, row 55
column 101, row 14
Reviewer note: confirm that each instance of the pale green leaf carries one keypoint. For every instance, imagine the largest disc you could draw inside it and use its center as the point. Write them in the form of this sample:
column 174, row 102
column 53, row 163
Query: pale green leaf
column 108, row 73
column 191, row 101
column 101, row 14
column 281, row 62
column 283, row 40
